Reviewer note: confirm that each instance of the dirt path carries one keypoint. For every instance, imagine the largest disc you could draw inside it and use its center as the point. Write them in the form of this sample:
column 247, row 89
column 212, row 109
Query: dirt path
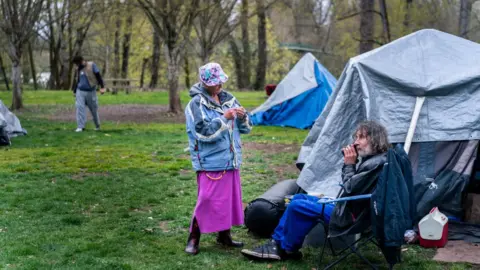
column 125, row 113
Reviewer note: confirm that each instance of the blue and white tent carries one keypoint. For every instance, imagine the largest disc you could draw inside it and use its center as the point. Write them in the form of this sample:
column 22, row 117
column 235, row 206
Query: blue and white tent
column 299, row 98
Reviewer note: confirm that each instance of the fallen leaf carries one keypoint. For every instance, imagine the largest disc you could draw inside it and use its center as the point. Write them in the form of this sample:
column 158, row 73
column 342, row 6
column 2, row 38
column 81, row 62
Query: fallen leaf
column 148, row 230
column 284, row 268
column 108, row 135
column 269, row 266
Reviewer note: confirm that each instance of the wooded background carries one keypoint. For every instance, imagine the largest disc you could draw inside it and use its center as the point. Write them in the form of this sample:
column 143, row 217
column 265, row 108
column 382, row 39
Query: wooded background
column 161, row 43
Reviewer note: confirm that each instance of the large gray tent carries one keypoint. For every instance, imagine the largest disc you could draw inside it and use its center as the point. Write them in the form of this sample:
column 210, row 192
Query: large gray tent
column 386, row 85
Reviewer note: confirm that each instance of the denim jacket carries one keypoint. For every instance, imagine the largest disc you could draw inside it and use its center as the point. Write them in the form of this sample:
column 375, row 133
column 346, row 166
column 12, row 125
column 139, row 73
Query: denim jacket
column 214, row 141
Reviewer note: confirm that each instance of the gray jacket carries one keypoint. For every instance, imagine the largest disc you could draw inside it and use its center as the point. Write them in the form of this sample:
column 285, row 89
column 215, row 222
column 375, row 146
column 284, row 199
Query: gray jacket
column 357, row 180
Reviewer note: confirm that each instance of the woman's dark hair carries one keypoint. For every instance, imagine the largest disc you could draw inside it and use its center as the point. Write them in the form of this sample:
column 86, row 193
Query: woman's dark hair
column 77, row 60
column 378, row 136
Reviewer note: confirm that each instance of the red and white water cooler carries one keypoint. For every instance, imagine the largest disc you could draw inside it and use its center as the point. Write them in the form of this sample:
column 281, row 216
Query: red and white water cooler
column 433, row 229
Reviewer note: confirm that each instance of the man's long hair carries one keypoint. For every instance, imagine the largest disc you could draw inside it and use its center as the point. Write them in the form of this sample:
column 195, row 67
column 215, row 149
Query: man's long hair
column 378, row 136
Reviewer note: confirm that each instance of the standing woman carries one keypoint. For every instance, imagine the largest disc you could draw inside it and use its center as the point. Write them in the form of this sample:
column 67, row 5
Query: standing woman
column 215, row 121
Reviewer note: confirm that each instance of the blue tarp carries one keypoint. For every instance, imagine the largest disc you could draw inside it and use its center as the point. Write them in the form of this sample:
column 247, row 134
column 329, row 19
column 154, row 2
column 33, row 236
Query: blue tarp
column 302, row 110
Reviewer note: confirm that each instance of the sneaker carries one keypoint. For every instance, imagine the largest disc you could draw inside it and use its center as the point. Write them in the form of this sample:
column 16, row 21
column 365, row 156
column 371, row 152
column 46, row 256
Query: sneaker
column 97, row 129
column 79, row 130
column 267, row 251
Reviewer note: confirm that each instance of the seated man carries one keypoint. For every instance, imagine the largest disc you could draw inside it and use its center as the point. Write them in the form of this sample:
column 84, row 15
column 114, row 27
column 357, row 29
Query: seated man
column 371, row 143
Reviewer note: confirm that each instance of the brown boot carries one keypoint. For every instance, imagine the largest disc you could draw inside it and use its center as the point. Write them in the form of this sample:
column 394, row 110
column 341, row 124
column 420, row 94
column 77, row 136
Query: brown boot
column 193, row 239
column 225, row 238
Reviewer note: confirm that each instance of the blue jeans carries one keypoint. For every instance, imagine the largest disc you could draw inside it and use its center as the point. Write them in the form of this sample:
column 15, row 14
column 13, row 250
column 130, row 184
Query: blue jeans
column 300, row 217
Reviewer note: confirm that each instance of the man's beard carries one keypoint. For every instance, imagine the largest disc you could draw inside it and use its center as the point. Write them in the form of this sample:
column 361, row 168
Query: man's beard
column 365, row 152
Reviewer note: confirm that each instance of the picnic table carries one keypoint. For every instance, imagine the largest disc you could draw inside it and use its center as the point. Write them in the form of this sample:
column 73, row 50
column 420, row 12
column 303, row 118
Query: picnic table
column 115, row 84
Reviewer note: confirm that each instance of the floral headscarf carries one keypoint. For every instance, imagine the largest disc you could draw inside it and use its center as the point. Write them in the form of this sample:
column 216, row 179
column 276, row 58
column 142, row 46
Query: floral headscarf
column 212, row 74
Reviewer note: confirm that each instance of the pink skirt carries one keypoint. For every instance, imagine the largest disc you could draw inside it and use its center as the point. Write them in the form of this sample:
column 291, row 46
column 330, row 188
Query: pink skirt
column 219, row 202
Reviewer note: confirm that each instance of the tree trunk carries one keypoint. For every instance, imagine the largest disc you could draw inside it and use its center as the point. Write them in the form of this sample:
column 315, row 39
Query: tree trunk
column 206, row 52
column 64, row 68
column 25, row 71
column 237, row 59
column 464, row 18
column 126, row 46
column 2, row 67
column 366, row 25
column 186, row 69
column 70, row 45
column 172, row 56
column 17, row 102
column 116, row 53
column 15, row 53
column 106, row 65
column 386, row 24
column 406, row 19
column 155, row 59
column 262, row 47
column 32, row 66
column 245, row 44
column 52, row 82
column 142, row 74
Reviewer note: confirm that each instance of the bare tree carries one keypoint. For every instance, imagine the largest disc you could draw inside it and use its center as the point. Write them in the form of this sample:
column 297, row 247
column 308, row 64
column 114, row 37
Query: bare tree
column 2, row 67
column 57, row 22
column 366, row 26
column 407, row 17
column 385, row 22
column 142, row 74
column 155, row 59
column 32, row 65
column 173, row 20
column 246, row 54
column 238, row 62
column 464, row 18
column 262, row 46
column 126, row 45
column 213, row 25
column 18, row 21
column 116, row 51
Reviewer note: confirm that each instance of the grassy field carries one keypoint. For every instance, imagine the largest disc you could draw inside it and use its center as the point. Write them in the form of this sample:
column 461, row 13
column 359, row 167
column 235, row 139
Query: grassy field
column 122, row 198
column 248, row 99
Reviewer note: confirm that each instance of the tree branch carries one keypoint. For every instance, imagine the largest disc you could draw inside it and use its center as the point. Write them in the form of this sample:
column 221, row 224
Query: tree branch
column 358, row 13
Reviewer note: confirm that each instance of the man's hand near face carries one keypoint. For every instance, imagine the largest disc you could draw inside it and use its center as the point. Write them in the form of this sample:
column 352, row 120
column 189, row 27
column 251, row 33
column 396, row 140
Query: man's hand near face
column 349, row 155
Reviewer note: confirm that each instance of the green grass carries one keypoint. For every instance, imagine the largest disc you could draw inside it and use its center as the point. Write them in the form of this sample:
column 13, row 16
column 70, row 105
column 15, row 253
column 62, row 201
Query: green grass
column 122, row 198
column 247, row 99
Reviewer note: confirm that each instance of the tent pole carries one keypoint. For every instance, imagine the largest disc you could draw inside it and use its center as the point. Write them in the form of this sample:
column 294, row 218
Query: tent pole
column 413, row 123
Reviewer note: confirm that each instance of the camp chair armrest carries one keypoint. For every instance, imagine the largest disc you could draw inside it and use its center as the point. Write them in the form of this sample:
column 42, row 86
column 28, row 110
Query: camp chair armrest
column 351, row 198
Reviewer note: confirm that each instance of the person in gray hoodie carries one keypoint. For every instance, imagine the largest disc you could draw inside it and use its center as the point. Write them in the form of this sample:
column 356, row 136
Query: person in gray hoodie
column 87, row 79
column 215, row 120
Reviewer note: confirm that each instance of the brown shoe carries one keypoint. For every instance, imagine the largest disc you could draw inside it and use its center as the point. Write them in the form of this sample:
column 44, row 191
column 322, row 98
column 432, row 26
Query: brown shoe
column 225, row 238
column 193, row 241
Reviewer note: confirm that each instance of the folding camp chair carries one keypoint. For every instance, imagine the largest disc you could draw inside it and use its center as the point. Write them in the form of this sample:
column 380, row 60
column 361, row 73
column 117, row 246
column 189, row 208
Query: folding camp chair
column 362, row 226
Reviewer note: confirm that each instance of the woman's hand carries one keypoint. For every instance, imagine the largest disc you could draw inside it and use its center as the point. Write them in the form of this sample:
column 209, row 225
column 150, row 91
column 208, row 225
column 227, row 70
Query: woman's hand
column 349, row 155
column 241, row 112
column 230, row 114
